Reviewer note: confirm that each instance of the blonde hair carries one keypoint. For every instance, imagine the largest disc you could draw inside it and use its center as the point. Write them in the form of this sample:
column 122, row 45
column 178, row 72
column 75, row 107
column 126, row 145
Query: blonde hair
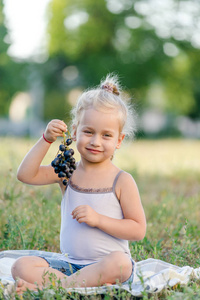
column 105, row 97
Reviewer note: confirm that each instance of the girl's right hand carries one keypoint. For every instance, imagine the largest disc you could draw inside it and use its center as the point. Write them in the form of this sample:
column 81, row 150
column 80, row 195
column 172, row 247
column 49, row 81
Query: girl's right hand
column 54, row 129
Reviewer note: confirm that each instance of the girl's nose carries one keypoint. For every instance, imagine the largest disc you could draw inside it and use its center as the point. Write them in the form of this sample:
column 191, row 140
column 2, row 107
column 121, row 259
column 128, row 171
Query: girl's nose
column 95, row 140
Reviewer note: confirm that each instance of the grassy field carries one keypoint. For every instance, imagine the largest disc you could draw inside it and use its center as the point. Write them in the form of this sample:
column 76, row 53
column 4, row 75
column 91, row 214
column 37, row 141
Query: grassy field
column 167, row 173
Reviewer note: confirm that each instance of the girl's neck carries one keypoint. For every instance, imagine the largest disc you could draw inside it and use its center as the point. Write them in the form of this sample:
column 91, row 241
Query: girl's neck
column 94, row 175
column 90, row 166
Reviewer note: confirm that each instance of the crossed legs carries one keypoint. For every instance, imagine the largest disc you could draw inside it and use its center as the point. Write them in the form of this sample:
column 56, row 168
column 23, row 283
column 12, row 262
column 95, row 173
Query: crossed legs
column 30, row 272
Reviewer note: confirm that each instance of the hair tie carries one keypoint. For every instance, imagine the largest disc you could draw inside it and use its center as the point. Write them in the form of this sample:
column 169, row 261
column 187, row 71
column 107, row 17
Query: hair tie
column 111, row 88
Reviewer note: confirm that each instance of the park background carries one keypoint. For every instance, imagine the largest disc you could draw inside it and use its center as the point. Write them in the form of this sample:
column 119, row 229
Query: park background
column 154, row 48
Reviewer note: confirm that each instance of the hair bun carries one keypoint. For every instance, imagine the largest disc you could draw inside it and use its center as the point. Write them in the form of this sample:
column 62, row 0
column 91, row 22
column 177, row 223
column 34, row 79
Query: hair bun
column 111, row 88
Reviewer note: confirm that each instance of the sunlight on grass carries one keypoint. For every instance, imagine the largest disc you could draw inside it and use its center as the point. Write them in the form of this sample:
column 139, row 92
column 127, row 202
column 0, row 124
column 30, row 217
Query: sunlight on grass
column 159, row 156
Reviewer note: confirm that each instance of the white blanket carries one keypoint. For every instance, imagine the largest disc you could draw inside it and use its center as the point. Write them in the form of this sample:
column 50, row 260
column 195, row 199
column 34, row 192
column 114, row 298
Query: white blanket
column 151, row 275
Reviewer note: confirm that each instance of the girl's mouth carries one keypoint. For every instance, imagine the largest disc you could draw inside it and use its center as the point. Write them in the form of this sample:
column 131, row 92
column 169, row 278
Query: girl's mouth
column 93, row 150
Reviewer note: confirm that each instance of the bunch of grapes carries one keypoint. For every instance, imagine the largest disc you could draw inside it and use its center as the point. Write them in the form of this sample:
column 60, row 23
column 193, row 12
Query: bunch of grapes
column 64, row 164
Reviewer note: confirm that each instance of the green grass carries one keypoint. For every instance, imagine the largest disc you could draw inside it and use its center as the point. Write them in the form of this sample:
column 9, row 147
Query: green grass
column 167, row 173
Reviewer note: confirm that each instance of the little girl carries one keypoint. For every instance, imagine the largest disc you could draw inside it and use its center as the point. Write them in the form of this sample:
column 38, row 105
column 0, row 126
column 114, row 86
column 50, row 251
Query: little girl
column 101, row 208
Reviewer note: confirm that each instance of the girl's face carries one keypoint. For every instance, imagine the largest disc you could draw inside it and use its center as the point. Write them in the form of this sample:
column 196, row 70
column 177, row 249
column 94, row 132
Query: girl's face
column 98, row 135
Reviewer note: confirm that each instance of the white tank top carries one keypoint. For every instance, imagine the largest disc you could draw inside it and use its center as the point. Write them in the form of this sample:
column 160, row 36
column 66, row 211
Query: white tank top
column 80, row 243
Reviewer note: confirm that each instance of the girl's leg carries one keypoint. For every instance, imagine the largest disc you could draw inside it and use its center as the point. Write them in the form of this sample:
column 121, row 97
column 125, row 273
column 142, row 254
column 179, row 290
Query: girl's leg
column 29, row 271
column 115, row 267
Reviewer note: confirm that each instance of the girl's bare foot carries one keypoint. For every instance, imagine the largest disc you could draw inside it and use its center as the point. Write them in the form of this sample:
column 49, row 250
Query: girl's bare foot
column 22, row 286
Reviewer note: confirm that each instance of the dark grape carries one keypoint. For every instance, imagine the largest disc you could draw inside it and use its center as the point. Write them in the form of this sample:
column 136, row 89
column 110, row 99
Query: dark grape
column 74, row 166
column 64, row 163
column 71, row 160
column 68, row 142
column 55, row 162
column 68, row 174
column 61, row 174
column 56, row 170
column 67, row 154
column 65, row 167
column 71, row 151
column 65, row 181
column 62, row 147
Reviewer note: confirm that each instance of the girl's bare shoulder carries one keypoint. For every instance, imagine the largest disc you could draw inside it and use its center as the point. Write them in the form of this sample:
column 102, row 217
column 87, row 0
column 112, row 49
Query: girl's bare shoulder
column 125, row 185
column 126, row 178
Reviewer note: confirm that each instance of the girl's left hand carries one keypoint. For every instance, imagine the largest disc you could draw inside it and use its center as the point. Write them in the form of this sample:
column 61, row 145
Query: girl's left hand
column 86, row 214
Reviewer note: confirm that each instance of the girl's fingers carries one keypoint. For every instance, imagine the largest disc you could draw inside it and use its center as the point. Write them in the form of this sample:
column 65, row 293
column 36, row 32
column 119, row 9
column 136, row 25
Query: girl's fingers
column 61, row 123
column 57, row 131
column 57, row 127
column 77, row 210
column 80, row 217
column 76, row 215
column 81, row 220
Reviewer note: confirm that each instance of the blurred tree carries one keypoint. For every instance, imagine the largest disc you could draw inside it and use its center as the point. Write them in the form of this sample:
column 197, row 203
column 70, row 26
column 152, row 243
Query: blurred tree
column 55, row 89
column 12, row 77
column 153, row 48
column 145, row 44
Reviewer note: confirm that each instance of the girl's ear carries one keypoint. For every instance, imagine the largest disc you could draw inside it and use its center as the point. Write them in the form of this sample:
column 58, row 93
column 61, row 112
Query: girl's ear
column 73, row 132
column 120, row 139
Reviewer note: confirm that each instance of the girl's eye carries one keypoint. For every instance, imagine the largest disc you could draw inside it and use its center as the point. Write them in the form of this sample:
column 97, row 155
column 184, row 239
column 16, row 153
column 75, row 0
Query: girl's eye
column 107, row 135
column 87, row 132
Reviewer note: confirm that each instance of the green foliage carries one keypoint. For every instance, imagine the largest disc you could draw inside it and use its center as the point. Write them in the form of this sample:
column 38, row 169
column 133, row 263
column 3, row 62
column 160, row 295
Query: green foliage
column 103, row 37
column 98, row 40
column 3, row 30
column 12, row 77
column 62, row 108
column 103, row 43
column 77, row 42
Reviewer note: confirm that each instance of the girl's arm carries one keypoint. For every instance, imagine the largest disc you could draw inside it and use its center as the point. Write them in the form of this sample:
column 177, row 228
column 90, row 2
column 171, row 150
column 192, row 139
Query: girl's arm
column 133, row 226
column 30, row 170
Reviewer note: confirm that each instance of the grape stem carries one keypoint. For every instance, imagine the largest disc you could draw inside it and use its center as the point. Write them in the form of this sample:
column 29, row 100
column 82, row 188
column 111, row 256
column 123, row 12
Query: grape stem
column 69, row 135
column 64, row 137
